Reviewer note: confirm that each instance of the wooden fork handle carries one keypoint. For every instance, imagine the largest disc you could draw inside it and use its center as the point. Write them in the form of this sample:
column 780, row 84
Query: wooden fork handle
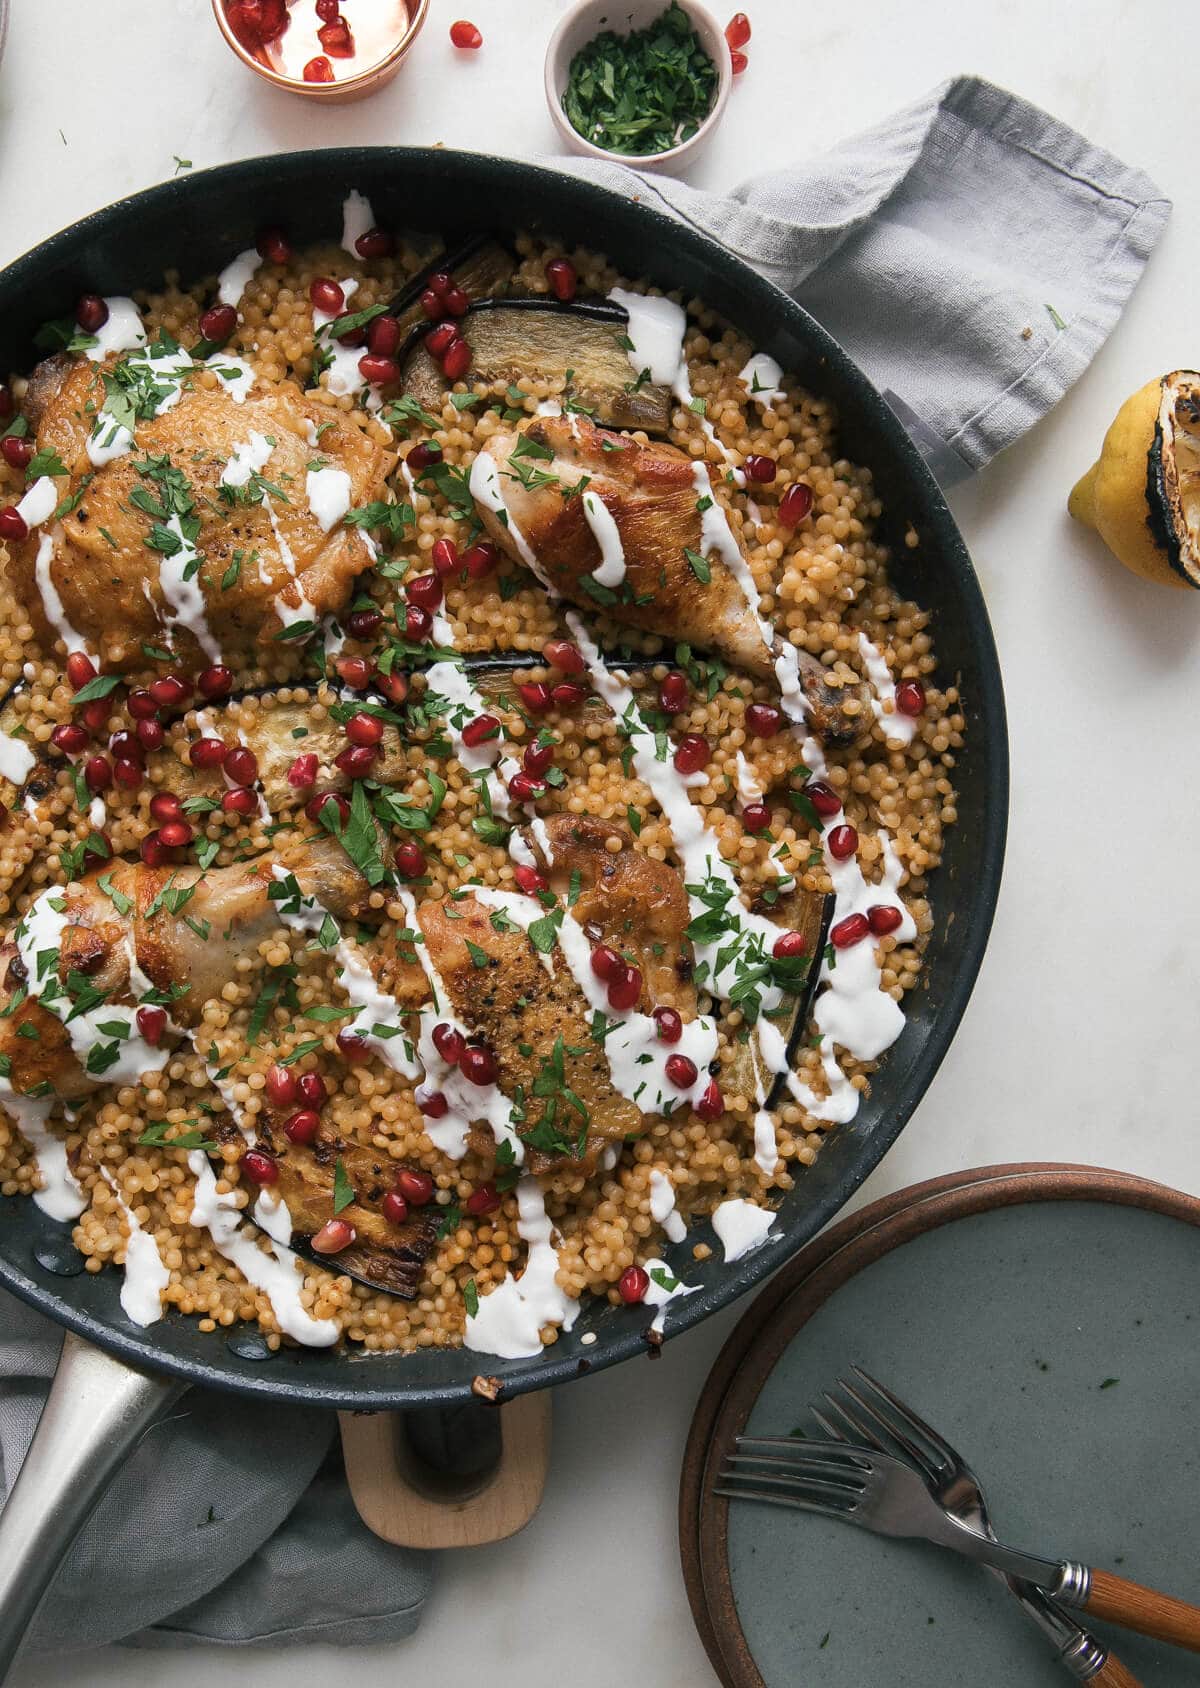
column 1143, row 1609
column 1113, row 1674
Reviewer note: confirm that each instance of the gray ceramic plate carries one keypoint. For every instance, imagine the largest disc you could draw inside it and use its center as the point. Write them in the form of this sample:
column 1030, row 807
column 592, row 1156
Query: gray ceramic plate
column 1055, row 1343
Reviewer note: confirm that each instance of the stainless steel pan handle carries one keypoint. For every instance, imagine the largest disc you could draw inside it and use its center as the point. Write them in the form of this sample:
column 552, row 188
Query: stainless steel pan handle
column 96, row 1411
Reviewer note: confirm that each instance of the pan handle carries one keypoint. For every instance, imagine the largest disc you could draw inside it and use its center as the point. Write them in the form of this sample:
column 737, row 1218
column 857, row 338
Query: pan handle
column 96, row 1411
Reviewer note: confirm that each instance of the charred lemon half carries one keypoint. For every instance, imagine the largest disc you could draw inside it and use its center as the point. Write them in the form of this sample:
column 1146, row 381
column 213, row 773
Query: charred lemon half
column 1143, row 495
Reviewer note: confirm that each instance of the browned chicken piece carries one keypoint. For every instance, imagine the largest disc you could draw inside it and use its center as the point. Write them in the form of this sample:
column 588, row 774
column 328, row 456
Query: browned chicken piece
column 262, row 546
column 651, row 492
column 145, row 914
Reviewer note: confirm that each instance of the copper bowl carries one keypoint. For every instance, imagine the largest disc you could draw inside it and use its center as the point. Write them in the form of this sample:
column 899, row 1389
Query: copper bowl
column 332, row 93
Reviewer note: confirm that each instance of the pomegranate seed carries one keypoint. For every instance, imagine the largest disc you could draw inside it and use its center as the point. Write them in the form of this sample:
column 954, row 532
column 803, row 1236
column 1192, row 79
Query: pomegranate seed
column 218, row 323
column 364, row 729
column 334, row 1236
column 607, row 964
column 788, row 945
column 383, row 337
column 8, row 404
column 823, row 798
column 281, row 1087
column 738, row 61
column 756, row 817
column 624, row 992
column 673, row 693
column 478, row 731
column 240, row 803
column 152, row 851
column 418, row 623
column 910, row 697
column 124, row 744
column 128, row 773
column 375, row 243
column 356, row 761
column 425, row 590
column 795, row 504
column 456, row 302
column 303, row 772
column 478, row 1065
column 355, row 337
column 151, row 1023
column 567, row 695
column 313, row 1091
column 91, row 313
column 534, row 695
column 560, row 273
column 764, row 720
column 852, row 930
column 355, row 671
column 12, row 523
column 94, row 715
column 442, row 337
column 711, row 1104
column 327, row 10
column 529, row 880
column 395, row 1208
column 326, row 296
column 353, row 1046
column 465, row 35
column 481, row 560
column 319, row 805
column 393, row 686
column 633, row 1284
column 273, row 245
column 259, row 1168
column 360, row 624
column 318, row 70
column 670, row 1025
column 415, row 1187
column 423, row 454
column 80, row 669
column 537, row 758
column 410, row 861
column 69, row 738
column 176, row 835
column 523, row 788
column 165, row 806
column 737, row 30
column 241, row 765
column 682, row 1071
column 449, row 1043
column 97, row 773
column 208, row 753
column 215, row 683
column 456, row 359
column 150, row 734
column 337, row 39
column 563, row 655
column 486, row 1199
column 691, row 754
column 843, row 842
column 302, row 1127
column 884, row 918
column 17, row 451
column 141, row 706
column 759, row 469
column 379, row 371
column 169, row 690
column 433, row 1104
column 441, row 281
column 445, row 557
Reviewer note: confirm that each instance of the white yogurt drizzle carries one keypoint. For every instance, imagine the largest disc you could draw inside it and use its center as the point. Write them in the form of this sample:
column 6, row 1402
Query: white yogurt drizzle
column 145, row 1275
column 110, row 439
column 897, row 728
column 183, row 593
column 328, row 492
column 61, row 1196
column 486, row 490
column 277, row 1274
column 659, row 1295
column 122, row 332
column 343, row 375
column 510, row 1319
column 741, row 1226
column 39, row 502
column 611, row 569
column 17, row 760
column 237, row 275
column 357, row 218
column 449, row 681
column 662, row 1206
column 248, row 458
column 52, row 604
column 763, row 380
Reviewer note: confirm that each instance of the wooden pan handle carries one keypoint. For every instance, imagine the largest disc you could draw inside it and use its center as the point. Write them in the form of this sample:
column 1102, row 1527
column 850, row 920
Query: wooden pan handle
column 1114, row 1675
column 1144, row 1609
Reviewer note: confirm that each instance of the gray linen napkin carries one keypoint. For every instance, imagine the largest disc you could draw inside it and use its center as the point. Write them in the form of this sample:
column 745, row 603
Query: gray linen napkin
column 928, row 246
column 971, row 253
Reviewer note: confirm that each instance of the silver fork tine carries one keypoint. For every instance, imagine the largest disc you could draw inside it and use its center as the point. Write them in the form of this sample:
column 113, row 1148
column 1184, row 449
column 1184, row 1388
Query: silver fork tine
column 816, row 1471
column 834, row 1434
column 876, row 1417
column 774, row 1499
column 859, row 1431
column 797, row 1448
column 908, row 1417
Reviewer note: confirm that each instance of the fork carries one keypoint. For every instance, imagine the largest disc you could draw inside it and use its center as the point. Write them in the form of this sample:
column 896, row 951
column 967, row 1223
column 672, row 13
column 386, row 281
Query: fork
column 886, row 1495
column 956, row 1487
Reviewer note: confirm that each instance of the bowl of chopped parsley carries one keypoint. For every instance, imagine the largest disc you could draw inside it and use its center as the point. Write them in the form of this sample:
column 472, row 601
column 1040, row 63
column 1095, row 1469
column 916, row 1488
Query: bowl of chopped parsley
column 638, row 80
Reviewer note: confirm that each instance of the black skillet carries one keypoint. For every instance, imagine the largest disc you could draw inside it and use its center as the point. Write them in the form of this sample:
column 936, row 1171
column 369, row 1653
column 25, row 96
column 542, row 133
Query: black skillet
column 195, row 225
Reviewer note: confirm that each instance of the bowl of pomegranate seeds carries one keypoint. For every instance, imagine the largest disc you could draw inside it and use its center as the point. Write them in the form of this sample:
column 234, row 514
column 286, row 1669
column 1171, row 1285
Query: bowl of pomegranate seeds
column 330, row 50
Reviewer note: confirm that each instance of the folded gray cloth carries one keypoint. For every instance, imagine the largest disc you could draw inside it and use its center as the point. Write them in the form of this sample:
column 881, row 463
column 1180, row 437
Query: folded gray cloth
column 226, row 1524
column 971, row 253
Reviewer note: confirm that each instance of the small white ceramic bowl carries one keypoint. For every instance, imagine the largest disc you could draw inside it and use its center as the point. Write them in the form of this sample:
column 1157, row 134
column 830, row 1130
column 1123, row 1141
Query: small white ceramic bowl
column 589, row 18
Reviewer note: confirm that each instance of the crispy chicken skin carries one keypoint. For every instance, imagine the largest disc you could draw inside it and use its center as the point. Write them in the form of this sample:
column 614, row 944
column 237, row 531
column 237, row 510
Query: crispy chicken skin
column 110, row 586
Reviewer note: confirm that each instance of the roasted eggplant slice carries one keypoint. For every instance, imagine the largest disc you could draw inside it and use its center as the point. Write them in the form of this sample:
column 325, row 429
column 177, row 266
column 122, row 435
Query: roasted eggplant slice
column 809, row 913
column 534, row 335
column 481, row 267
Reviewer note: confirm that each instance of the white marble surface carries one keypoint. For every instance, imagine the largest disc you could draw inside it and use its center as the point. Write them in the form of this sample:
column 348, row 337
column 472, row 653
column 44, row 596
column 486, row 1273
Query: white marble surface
column 1077, row 1044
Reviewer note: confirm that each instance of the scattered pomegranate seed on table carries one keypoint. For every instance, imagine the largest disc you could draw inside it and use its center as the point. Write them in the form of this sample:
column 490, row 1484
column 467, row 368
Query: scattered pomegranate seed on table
column 737, row 30
column 738, row 60
column 633, row 1284
column 465, row 35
